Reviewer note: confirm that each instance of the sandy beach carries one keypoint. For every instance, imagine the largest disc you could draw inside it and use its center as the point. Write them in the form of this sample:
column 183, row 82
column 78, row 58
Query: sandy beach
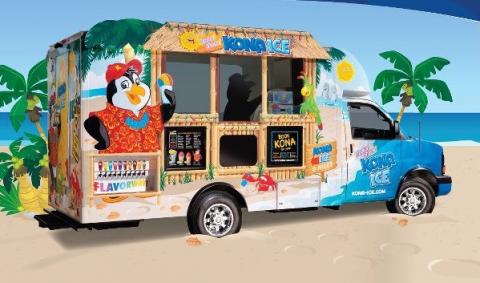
column 358, row 243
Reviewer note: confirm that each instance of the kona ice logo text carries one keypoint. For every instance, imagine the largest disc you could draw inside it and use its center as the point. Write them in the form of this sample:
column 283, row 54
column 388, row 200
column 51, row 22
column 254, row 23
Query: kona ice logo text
column 256, row 45
column 378, row 167
column 323, row 152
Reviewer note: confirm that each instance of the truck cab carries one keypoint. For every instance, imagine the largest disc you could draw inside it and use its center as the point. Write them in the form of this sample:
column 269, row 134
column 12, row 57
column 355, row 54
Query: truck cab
column 407, row 173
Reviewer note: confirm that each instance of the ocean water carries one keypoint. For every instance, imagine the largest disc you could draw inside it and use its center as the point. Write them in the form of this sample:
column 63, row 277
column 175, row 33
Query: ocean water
column 442, row 127
column 8, row 134
column 436, row 127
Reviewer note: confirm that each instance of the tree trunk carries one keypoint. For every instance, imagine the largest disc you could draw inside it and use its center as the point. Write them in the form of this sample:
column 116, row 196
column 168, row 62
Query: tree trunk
column 40, row 131
column 27, row 194
column 400, row 114
column 43, row 193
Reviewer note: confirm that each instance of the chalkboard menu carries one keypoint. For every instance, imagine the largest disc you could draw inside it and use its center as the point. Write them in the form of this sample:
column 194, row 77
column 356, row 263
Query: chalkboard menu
column 284, row 146
column 185, row 148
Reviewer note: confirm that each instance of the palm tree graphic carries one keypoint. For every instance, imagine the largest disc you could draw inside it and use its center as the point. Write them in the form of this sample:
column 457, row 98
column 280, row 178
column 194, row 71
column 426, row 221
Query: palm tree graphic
column 410, row 83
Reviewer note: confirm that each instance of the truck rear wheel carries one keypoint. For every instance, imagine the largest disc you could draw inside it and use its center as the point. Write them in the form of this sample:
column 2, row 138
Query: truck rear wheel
column 414, row 197
column 216, row 214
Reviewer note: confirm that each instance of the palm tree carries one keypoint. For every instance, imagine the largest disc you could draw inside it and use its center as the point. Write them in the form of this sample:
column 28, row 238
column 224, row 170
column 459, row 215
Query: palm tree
column 27, row 91
column 15, row 166
column 412, row 81
column 106, row 39
column 37, row 165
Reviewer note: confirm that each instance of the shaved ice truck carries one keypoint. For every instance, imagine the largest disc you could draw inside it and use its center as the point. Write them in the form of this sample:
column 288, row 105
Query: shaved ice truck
column 202, row 121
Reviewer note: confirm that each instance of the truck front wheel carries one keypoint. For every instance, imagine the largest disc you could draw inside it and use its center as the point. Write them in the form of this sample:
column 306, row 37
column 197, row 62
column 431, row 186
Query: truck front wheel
column 216, row 214
column 414, row 197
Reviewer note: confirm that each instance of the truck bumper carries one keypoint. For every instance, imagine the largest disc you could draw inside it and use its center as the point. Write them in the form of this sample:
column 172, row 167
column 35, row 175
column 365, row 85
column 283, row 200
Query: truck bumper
column 444, row 185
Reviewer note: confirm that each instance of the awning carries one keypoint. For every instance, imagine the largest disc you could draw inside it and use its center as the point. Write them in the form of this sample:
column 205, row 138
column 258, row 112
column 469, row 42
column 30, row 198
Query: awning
column 213, row 39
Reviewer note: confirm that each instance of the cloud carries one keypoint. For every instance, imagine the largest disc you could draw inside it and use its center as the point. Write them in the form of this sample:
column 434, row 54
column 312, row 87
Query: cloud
column 93, row 81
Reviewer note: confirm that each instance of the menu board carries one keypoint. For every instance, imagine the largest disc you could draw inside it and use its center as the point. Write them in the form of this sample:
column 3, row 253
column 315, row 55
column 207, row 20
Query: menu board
column 285, row 146
column 185, row 148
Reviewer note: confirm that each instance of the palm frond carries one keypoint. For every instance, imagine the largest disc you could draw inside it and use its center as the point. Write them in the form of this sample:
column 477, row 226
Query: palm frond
column 147, row 68
column 399, row 61
column 429, row 67
column 387, row 77
column 391, row 91
column 106, row 39
column 40, row 87
column 43, row 99
column 17, row 114
column 14, row 147
column 439, row 87
column 12, row 80
column 336, row 54
column 37, row 74
column 8, row 178
column 7, row 96
column 420, row 98
column 10, row 201
column 33, row 170
column 38, row 144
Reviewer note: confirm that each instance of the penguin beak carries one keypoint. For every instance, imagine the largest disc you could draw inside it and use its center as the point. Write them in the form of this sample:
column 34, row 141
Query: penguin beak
column 135, row 94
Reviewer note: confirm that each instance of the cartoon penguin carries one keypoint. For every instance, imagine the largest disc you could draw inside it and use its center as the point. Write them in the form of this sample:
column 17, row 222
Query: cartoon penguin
column 128, row 124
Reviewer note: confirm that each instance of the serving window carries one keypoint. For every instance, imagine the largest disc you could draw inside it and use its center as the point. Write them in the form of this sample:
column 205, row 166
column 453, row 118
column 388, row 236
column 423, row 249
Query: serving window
column 191, row 73
column 283, row 85
column 240, row 88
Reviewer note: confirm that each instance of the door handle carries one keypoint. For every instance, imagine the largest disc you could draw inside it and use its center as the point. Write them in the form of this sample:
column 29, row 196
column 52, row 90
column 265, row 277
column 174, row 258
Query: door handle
column 351, row 149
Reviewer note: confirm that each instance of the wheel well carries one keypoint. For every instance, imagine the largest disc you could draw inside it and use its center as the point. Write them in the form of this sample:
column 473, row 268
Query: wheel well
column 426, row 175
column 219, row 187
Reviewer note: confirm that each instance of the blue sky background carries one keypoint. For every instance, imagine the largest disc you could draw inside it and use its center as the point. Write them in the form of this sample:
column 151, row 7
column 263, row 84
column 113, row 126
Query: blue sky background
column 29, row 27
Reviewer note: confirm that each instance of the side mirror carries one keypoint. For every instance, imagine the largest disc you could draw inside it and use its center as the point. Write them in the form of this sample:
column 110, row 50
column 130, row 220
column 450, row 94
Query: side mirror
column 396, row 128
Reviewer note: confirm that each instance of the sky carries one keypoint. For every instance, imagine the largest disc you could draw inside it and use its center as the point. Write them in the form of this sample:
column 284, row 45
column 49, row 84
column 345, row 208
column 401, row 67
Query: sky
column 29, row 27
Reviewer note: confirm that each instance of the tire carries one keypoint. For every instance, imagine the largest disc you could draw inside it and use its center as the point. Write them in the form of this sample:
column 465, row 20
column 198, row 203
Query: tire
column 414, row 197
column 216, row 214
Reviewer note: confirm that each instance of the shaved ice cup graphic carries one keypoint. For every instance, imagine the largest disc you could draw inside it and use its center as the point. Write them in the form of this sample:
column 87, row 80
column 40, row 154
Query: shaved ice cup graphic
column 172, row 156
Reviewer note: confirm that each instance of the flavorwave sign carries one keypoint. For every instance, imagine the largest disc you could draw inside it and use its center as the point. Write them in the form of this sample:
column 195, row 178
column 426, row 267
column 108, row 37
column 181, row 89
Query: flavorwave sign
column 256, row 45
column 102, row 187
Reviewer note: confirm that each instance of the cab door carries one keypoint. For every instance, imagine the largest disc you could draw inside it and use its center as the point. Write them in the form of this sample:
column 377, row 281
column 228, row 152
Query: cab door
column 373, row 161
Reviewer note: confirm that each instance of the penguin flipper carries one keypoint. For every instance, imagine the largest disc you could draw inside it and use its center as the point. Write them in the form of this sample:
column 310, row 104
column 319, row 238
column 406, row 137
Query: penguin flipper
column 97, row 130
column 168, row 109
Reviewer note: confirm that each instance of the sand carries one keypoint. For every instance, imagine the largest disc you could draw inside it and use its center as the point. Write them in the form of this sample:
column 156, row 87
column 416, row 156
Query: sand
column 358, row 243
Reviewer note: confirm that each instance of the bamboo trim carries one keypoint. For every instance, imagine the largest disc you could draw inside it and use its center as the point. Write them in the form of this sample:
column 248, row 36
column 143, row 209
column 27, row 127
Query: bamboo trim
column 237, row 29
column 153, row 78
column 158, row 69
column 264, row 84
column 213, row 84
column 124, row 154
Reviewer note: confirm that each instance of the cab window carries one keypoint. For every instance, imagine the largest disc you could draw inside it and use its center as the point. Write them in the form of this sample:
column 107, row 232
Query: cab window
column 369, row 123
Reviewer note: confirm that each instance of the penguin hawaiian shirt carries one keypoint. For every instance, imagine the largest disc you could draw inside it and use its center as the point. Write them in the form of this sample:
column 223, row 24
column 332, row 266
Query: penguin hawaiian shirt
column 129, row 133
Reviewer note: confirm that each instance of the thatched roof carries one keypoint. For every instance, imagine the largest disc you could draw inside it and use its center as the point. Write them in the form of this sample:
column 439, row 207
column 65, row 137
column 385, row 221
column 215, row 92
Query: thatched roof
column 302, row 44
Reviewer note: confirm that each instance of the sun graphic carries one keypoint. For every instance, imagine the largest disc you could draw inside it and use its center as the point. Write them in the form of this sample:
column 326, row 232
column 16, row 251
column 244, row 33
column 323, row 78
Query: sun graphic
column 345, row 71
column 190, row 41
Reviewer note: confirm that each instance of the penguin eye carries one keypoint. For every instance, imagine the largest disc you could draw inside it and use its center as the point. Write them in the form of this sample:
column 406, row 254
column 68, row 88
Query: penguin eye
column 125, row 84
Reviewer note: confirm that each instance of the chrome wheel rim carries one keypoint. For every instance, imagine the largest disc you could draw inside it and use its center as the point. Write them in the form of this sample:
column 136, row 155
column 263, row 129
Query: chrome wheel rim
column 218, row 220
column 412, row 201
